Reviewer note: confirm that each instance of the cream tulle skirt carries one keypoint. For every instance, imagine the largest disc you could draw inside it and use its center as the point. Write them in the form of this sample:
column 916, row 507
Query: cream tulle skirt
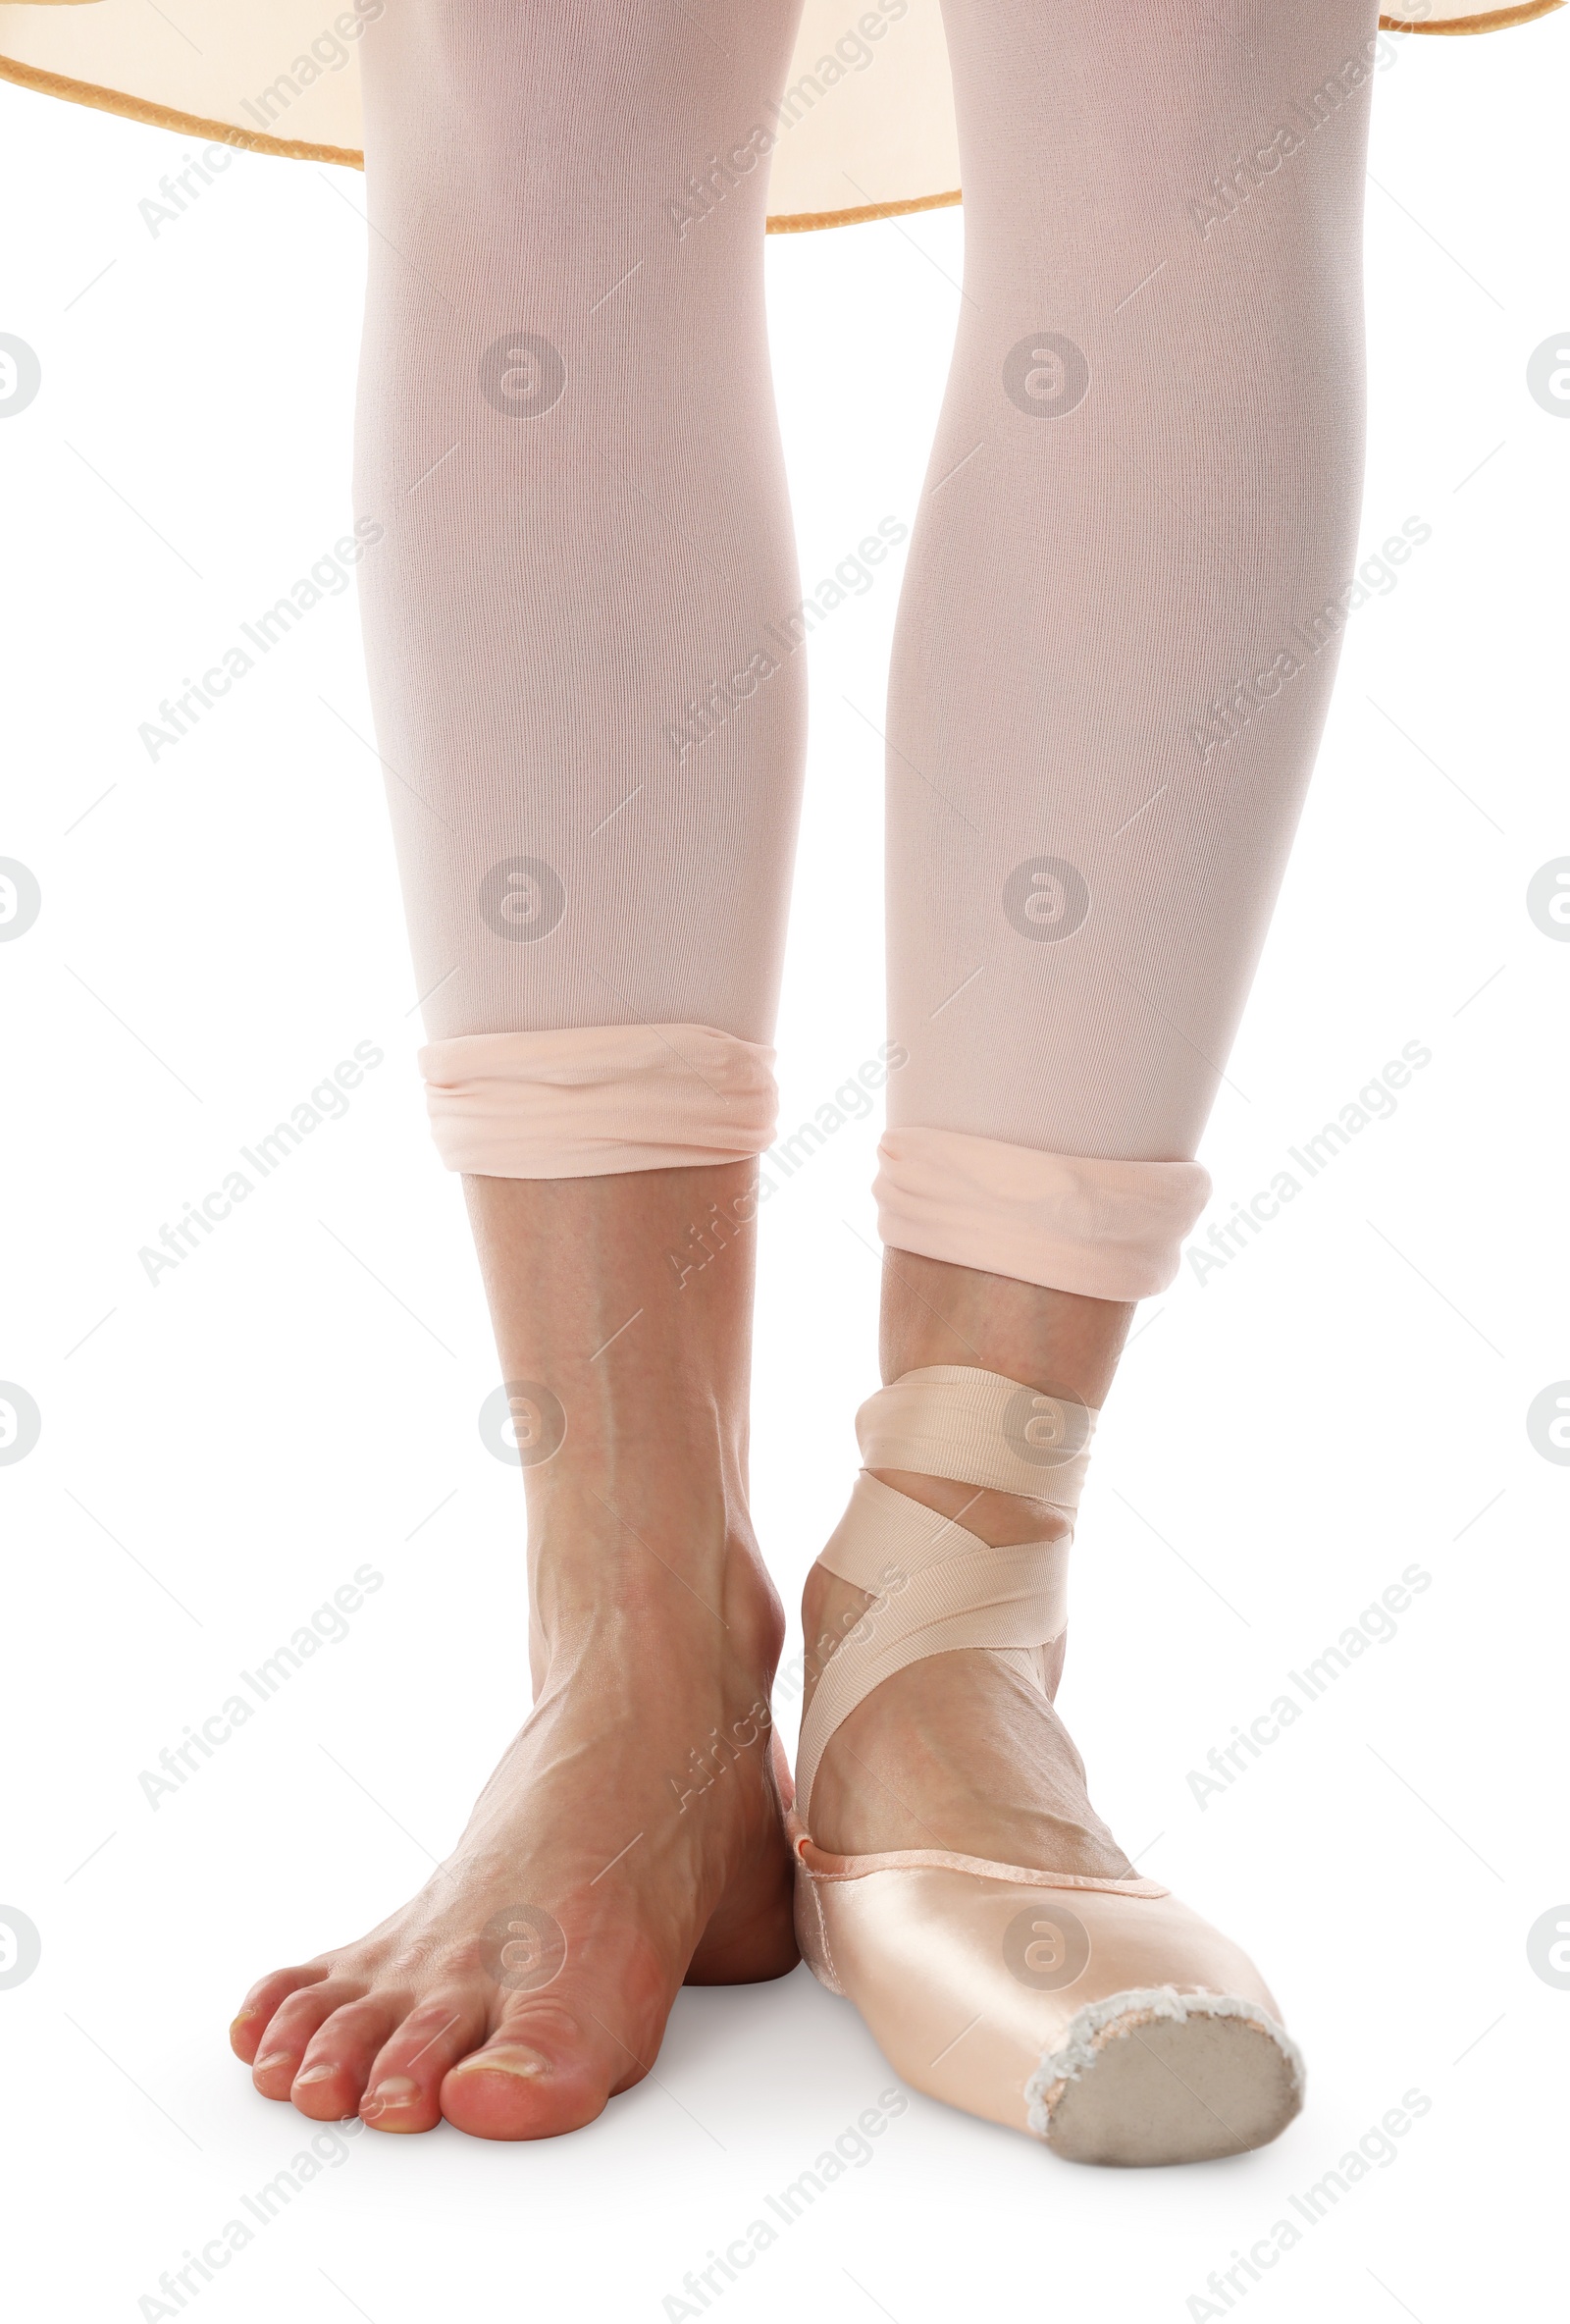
column 868, row 110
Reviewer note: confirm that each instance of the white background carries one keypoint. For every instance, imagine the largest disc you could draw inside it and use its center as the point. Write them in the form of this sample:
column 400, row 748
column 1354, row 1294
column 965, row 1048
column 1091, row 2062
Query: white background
column 218, row 1453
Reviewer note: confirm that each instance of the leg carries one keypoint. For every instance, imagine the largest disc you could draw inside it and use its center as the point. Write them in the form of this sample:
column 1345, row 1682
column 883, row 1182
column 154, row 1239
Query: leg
column 1115, row 652
column 577, row 536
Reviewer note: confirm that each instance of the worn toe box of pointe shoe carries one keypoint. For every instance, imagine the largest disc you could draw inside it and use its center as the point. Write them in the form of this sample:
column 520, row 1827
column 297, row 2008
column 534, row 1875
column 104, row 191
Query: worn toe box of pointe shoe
column 1105, row 2017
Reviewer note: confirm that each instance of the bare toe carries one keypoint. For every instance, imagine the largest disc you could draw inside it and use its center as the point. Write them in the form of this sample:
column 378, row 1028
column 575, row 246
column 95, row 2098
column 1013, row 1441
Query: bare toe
column 289, row 2030
column 404, row 2086
column 527, row 2082
column 339, row 2055
column 255, row 2013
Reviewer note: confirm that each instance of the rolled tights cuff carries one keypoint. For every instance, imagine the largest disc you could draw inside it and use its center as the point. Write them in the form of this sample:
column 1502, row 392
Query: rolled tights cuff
column 1103, row 1228
column 585, row 1101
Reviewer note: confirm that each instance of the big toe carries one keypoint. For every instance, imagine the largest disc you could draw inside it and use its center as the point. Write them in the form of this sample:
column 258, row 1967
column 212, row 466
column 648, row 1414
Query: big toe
column 532, row 2081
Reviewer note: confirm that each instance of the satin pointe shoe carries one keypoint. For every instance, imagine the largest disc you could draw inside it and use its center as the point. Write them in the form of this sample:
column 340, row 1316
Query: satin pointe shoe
column 1100, row 2016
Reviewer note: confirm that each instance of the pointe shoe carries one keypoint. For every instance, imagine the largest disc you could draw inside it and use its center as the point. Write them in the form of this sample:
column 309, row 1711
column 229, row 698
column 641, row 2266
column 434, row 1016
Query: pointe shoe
column 1100, row 2016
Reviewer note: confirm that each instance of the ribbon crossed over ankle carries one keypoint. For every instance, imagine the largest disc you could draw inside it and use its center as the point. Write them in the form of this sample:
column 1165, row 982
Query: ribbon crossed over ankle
column 934, row 1585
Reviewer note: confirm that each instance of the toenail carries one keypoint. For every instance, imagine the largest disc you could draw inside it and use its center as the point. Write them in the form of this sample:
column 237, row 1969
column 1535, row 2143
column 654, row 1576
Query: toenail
column 527, row 2064
column 316, row 2074
column 396, row 2090
column 274, row 2057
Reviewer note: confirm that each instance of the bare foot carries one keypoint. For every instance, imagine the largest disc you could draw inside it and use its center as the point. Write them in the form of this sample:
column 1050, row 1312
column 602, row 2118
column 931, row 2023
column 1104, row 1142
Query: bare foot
column 631, row 1838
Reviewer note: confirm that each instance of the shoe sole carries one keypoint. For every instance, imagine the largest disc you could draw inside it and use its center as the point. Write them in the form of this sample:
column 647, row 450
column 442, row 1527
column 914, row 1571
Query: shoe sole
column 1147, row 2085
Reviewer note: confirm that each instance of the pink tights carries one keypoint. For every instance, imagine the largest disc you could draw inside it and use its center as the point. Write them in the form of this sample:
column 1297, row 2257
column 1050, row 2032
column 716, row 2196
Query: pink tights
column 1116, row 641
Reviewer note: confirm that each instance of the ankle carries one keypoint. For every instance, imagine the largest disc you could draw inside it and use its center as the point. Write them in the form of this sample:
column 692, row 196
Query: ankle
column 832, row 1608
column 1002, row 1519
column 1057, row 1341
column 658, row 1588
